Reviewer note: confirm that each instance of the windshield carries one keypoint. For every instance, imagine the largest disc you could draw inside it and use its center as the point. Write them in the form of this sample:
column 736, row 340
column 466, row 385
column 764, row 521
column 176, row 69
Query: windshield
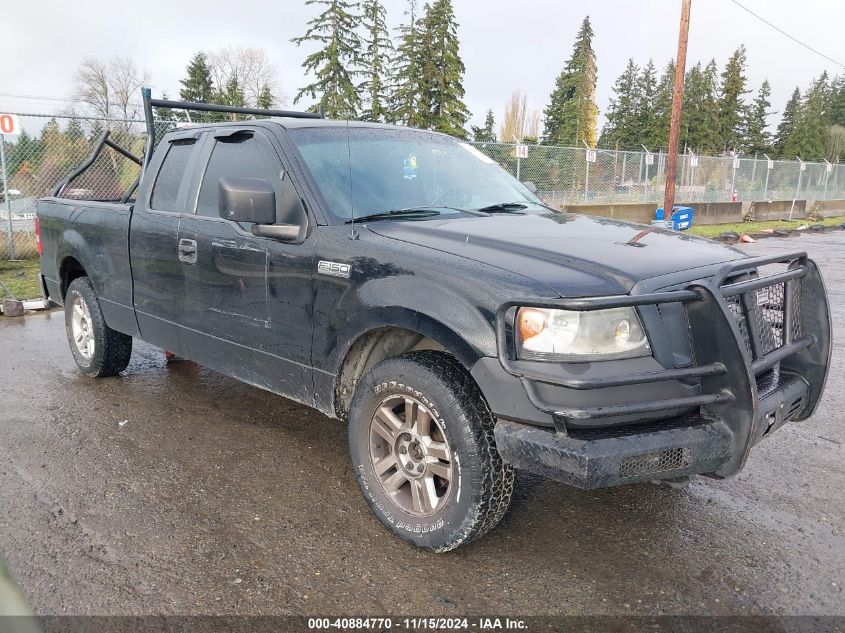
column 402, row 169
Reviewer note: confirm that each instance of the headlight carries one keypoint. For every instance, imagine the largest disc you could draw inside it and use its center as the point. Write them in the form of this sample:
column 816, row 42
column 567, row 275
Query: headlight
column 570, row 335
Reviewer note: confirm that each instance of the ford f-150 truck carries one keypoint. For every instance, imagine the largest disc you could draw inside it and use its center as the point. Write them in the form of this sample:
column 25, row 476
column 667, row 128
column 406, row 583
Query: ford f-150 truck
column 401, row 281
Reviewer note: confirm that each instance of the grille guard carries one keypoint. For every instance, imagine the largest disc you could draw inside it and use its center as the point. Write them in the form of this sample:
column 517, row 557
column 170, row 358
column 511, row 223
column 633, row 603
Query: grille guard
column 726, row 365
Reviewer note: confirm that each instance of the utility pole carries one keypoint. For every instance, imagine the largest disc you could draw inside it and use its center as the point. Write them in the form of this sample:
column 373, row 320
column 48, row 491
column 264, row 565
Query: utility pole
column 677, row 102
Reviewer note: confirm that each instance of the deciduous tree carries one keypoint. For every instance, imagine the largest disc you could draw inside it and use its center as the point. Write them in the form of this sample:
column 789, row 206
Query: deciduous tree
column 112, row 89
column 251, row 66
column 515, row 119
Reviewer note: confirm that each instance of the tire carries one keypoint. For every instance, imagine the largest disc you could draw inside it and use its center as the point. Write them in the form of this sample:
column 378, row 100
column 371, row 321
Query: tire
column 97, row 349
column 470, row 486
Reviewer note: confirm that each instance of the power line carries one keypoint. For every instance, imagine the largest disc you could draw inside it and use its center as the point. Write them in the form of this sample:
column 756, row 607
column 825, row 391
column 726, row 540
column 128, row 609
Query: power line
column 25, row 97
column 37, row 97
column 794, row 39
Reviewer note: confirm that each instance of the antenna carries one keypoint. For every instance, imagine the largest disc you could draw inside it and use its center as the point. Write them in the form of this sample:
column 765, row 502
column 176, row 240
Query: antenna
column 352, row 234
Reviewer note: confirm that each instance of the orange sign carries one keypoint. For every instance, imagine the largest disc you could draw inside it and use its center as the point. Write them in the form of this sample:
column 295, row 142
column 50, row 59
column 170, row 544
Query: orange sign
column 9, row 124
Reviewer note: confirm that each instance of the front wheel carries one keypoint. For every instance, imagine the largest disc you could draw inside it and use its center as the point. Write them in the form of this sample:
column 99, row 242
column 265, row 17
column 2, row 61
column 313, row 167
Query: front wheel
column 421, row 441
column 97, row 349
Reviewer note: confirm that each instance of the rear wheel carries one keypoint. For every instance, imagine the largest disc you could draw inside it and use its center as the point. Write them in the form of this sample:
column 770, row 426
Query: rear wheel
column 421, row 441
column 97, row 349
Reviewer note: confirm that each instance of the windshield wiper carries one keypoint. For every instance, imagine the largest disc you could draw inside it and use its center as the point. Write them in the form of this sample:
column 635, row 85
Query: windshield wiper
column 410, row 212
column 504, row 207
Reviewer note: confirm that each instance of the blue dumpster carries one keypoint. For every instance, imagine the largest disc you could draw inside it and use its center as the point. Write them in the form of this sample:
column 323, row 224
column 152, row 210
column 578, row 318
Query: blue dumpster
column 681, row 217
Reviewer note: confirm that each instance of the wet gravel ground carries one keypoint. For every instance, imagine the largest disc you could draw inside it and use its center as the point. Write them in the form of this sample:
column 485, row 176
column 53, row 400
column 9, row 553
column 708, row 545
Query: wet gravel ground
column 175, row 490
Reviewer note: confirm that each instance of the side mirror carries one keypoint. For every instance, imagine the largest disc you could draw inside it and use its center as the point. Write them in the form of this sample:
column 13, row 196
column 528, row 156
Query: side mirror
column 247, row 200
column 254, row 200
column 530, row 186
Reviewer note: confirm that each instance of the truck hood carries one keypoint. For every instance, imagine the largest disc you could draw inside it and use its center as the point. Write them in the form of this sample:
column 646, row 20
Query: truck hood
column 574, row 255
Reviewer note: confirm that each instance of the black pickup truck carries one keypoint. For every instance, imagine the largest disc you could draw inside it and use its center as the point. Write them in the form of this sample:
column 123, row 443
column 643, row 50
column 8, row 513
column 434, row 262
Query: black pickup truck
column 401, row 281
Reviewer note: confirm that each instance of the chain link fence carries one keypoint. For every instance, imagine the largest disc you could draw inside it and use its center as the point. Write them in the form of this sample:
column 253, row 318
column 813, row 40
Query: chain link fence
column 54, row 145
column 566, row 176
column 51, row 149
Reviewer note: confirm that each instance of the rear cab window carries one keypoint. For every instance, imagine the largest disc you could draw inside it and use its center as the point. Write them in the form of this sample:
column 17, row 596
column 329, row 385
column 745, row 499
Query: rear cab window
column 171, row 174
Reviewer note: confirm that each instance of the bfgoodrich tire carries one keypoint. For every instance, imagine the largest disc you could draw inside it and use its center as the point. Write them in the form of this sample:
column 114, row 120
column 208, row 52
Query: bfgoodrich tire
column 97, row 349
column 422, row 447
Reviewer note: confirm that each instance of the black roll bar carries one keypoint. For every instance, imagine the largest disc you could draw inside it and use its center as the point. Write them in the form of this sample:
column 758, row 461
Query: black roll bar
column 102, row 141
column 150, row 103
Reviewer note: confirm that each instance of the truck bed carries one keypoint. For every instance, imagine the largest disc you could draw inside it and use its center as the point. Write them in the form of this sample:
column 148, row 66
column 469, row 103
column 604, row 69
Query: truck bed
column 99, row 232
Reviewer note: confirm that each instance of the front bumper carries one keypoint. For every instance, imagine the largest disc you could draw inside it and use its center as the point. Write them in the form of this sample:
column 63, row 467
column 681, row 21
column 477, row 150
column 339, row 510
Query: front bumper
column 754, row 363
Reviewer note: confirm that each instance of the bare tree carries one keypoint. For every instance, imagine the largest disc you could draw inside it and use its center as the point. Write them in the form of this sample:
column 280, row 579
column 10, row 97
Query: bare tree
column 518, row 123
column 92, row 86
column 533, row 129
column 111, row 88
column 256, row 75
column 835, row 143
column 513, row 122
column 127, row 82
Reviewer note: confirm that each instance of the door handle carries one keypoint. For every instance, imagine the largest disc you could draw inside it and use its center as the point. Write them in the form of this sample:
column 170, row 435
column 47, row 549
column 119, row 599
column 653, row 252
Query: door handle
column 187, row 251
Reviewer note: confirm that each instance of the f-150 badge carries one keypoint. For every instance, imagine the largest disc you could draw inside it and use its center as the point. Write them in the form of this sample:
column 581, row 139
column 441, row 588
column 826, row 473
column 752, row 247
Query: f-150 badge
column 335, row 269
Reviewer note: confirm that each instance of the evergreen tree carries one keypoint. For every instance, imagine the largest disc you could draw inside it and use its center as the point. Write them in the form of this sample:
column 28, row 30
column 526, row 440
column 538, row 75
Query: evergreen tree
column 28, row 151
column 405, row 81
column 335, row 63
column 646, row 96
column 76, row 147
column 378, row 48
column 572, row 114
column 233, row 93
column 810, row 134
column 197, row 86
column 485, row 133
column 165, row 114
column 756, row 136
column 837, row 101
column 657, row 132
column 732, row 105
column 701, row 109
column 623, row 114
column 787, row 124
column 694, row 95
column 265, row 99
column 442, row 100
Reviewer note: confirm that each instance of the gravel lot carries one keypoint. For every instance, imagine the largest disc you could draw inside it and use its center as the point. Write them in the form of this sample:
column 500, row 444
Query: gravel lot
column 175, row 490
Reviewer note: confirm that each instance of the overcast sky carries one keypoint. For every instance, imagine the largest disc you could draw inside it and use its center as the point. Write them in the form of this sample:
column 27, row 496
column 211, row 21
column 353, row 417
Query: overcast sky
column 506, row 45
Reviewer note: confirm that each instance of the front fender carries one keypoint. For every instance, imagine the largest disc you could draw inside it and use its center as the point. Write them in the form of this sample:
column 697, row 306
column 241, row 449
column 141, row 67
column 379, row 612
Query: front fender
column 439, row 312
column 408, row 319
